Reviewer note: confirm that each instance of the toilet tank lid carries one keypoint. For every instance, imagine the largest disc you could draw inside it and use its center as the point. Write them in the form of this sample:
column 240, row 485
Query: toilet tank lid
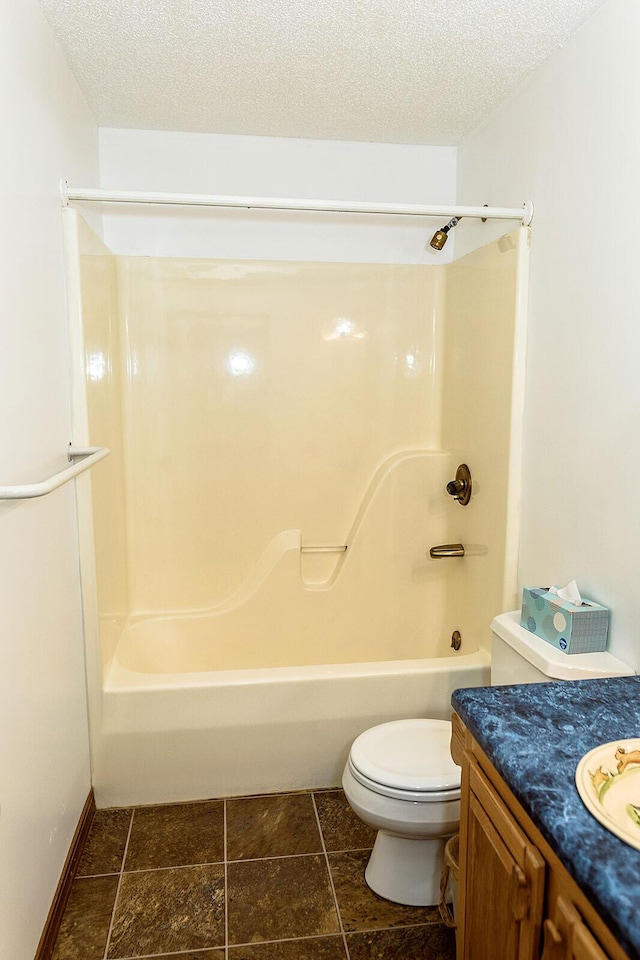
column 408, row 754
column 553, row 662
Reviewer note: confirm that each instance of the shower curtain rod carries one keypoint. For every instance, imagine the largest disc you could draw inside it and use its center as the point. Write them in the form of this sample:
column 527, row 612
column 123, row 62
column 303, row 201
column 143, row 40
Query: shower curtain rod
column 524, row 213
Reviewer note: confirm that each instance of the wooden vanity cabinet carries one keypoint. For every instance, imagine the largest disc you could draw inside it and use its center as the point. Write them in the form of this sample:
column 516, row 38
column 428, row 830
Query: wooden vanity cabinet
column 516, row 900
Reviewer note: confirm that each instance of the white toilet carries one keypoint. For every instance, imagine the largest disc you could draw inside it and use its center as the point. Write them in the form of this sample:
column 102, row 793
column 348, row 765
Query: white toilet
column 400, row 777
column 401, row 780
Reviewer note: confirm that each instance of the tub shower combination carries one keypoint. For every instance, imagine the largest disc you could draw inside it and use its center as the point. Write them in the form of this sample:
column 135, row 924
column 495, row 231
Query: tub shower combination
column 257, row 582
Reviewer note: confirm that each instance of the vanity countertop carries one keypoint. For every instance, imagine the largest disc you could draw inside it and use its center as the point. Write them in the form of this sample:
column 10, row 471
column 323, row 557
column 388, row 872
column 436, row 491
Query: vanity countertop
column 535, row 734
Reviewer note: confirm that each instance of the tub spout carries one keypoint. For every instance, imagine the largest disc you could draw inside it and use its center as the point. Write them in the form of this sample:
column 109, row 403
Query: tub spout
column 446, row 550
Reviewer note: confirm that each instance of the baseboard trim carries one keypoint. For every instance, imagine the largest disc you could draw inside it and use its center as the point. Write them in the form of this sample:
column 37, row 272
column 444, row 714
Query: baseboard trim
column 61, row 896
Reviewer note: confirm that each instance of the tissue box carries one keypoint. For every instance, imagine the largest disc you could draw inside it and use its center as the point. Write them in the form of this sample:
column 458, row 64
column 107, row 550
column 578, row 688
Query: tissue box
column 570, row 628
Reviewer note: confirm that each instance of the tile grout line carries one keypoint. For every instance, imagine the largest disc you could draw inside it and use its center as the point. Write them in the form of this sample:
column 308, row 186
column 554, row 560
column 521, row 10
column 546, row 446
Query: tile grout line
column 181, row 953
column 210, row 863
column 115, row 902
column 189, row 954
column 333, row 888
column 226, row 884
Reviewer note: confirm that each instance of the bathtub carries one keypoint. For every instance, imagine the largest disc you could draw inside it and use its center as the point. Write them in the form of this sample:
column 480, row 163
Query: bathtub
column 193, row 735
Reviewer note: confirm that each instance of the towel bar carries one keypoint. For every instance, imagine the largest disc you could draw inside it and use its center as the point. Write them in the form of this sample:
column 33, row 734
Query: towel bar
column 27, row 491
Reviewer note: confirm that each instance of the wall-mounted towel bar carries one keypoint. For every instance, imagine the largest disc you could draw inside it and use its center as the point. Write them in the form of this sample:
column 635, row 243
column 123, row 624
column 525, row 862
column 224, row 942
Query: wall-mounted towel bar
column 337, row 549
column 26, row 491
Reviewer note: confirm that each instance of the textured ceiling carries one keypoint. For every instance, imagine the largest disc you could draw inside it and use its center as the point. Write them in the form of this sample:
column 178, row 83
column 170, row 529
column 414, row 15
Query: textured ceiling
column 397, row 71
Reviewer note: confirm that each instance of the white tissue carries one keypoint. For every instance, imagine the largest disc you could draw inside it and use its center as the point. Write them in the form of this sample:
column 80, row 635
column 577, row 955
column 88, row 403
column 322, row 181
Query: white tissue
column 570, row 593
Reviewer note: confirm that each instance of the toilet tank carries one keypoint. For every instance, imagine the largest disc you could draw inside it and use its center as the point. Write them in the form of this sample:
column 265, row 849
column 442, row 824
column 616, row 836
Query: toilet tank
column 518, row 656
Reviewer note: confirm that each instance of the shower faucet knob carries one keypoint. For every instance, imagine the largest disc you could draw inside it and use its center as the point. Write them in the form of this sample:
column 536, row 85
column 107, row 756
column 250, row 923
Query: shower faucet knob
column 456, row 487
column 460, row 488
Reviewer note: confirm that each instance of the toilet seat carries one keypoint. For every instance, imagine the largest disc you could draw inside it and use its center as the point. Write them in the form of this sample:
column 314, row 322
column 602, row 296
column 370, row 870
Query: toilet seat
column 397, row 793
column 407, row 760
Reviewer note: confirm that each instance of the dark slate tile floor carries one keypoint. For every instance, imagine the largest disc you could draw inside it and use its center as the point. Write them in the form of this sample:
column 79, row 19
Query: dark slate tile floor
column 278, row 877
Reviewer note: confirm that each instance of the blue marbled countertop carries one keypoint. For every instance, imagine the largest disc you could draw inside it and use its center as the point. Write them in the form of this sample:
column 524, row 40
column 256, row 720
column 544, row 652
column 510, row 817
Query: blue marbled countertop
column 535, row 734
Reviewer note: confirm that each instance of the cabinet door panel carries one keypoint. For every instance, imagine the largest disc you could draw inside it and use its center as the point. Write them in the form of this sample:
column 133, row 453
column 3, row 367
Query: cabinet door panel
column 504, row 881
column 567, row 938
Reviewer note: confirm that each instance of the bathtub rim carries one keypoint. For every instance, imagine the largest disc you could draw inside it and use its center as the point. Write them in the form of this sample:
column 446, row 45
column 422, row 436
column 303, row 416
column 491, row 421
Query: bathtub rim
column 119, row 678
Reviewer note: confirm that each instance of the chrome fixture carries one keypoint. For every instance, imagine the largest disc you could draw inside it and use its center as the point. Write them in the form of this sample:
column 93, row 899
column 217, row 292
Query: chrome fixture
column 456, row 640
column 439, row 238
column 445, row 550
column 460, row 488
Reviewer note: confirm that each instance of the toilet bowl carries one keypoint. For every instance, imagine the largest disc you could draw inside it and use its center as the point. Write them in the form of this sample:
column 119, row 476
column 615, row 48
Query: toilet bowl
column 401, row 780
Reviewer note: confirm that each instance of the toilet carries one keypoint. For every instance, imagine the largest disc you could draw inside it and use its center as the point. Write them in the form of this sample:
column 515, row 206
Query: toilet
column 401, row 780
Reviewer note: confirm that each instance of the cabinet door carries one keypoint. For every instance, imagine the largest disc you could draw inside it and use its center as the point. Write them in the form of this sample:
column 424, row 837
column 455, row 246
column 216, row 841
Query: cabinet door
column 504, row 881
column 567, row 938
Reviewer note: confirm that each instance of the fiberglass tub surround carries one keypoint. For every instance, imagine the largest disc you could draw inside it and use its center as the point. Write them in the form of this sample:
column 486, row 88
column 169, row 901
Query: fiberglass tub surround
column 281, row 436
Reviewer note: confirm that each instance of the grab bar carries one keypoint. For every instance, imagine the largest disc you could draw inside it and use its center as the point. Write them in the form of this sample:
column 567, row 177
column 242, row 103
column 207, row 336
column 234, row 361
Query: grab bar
column 337, row 549
column 26, row 491
column 446, row 550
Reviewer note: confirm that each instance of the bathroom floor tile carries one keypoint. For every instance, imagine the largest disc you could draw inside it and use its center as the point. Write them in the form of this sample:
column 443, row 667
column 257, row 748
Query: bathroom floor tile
column 105, row 844
column 176, row 834
column 341, row 828
column 169, row 911
column 432, row 941
column 85, row 924
column 323, row 948
column 279, row 899
column 277, row 826
column 362, row 909
column 279, row 902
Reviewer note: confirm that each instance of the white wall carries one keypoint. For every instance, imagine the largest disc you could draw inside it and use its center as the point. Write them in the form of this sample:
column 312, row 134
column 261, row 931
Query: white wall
column 48, row 133
column 569, row 139
column 274, row 167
